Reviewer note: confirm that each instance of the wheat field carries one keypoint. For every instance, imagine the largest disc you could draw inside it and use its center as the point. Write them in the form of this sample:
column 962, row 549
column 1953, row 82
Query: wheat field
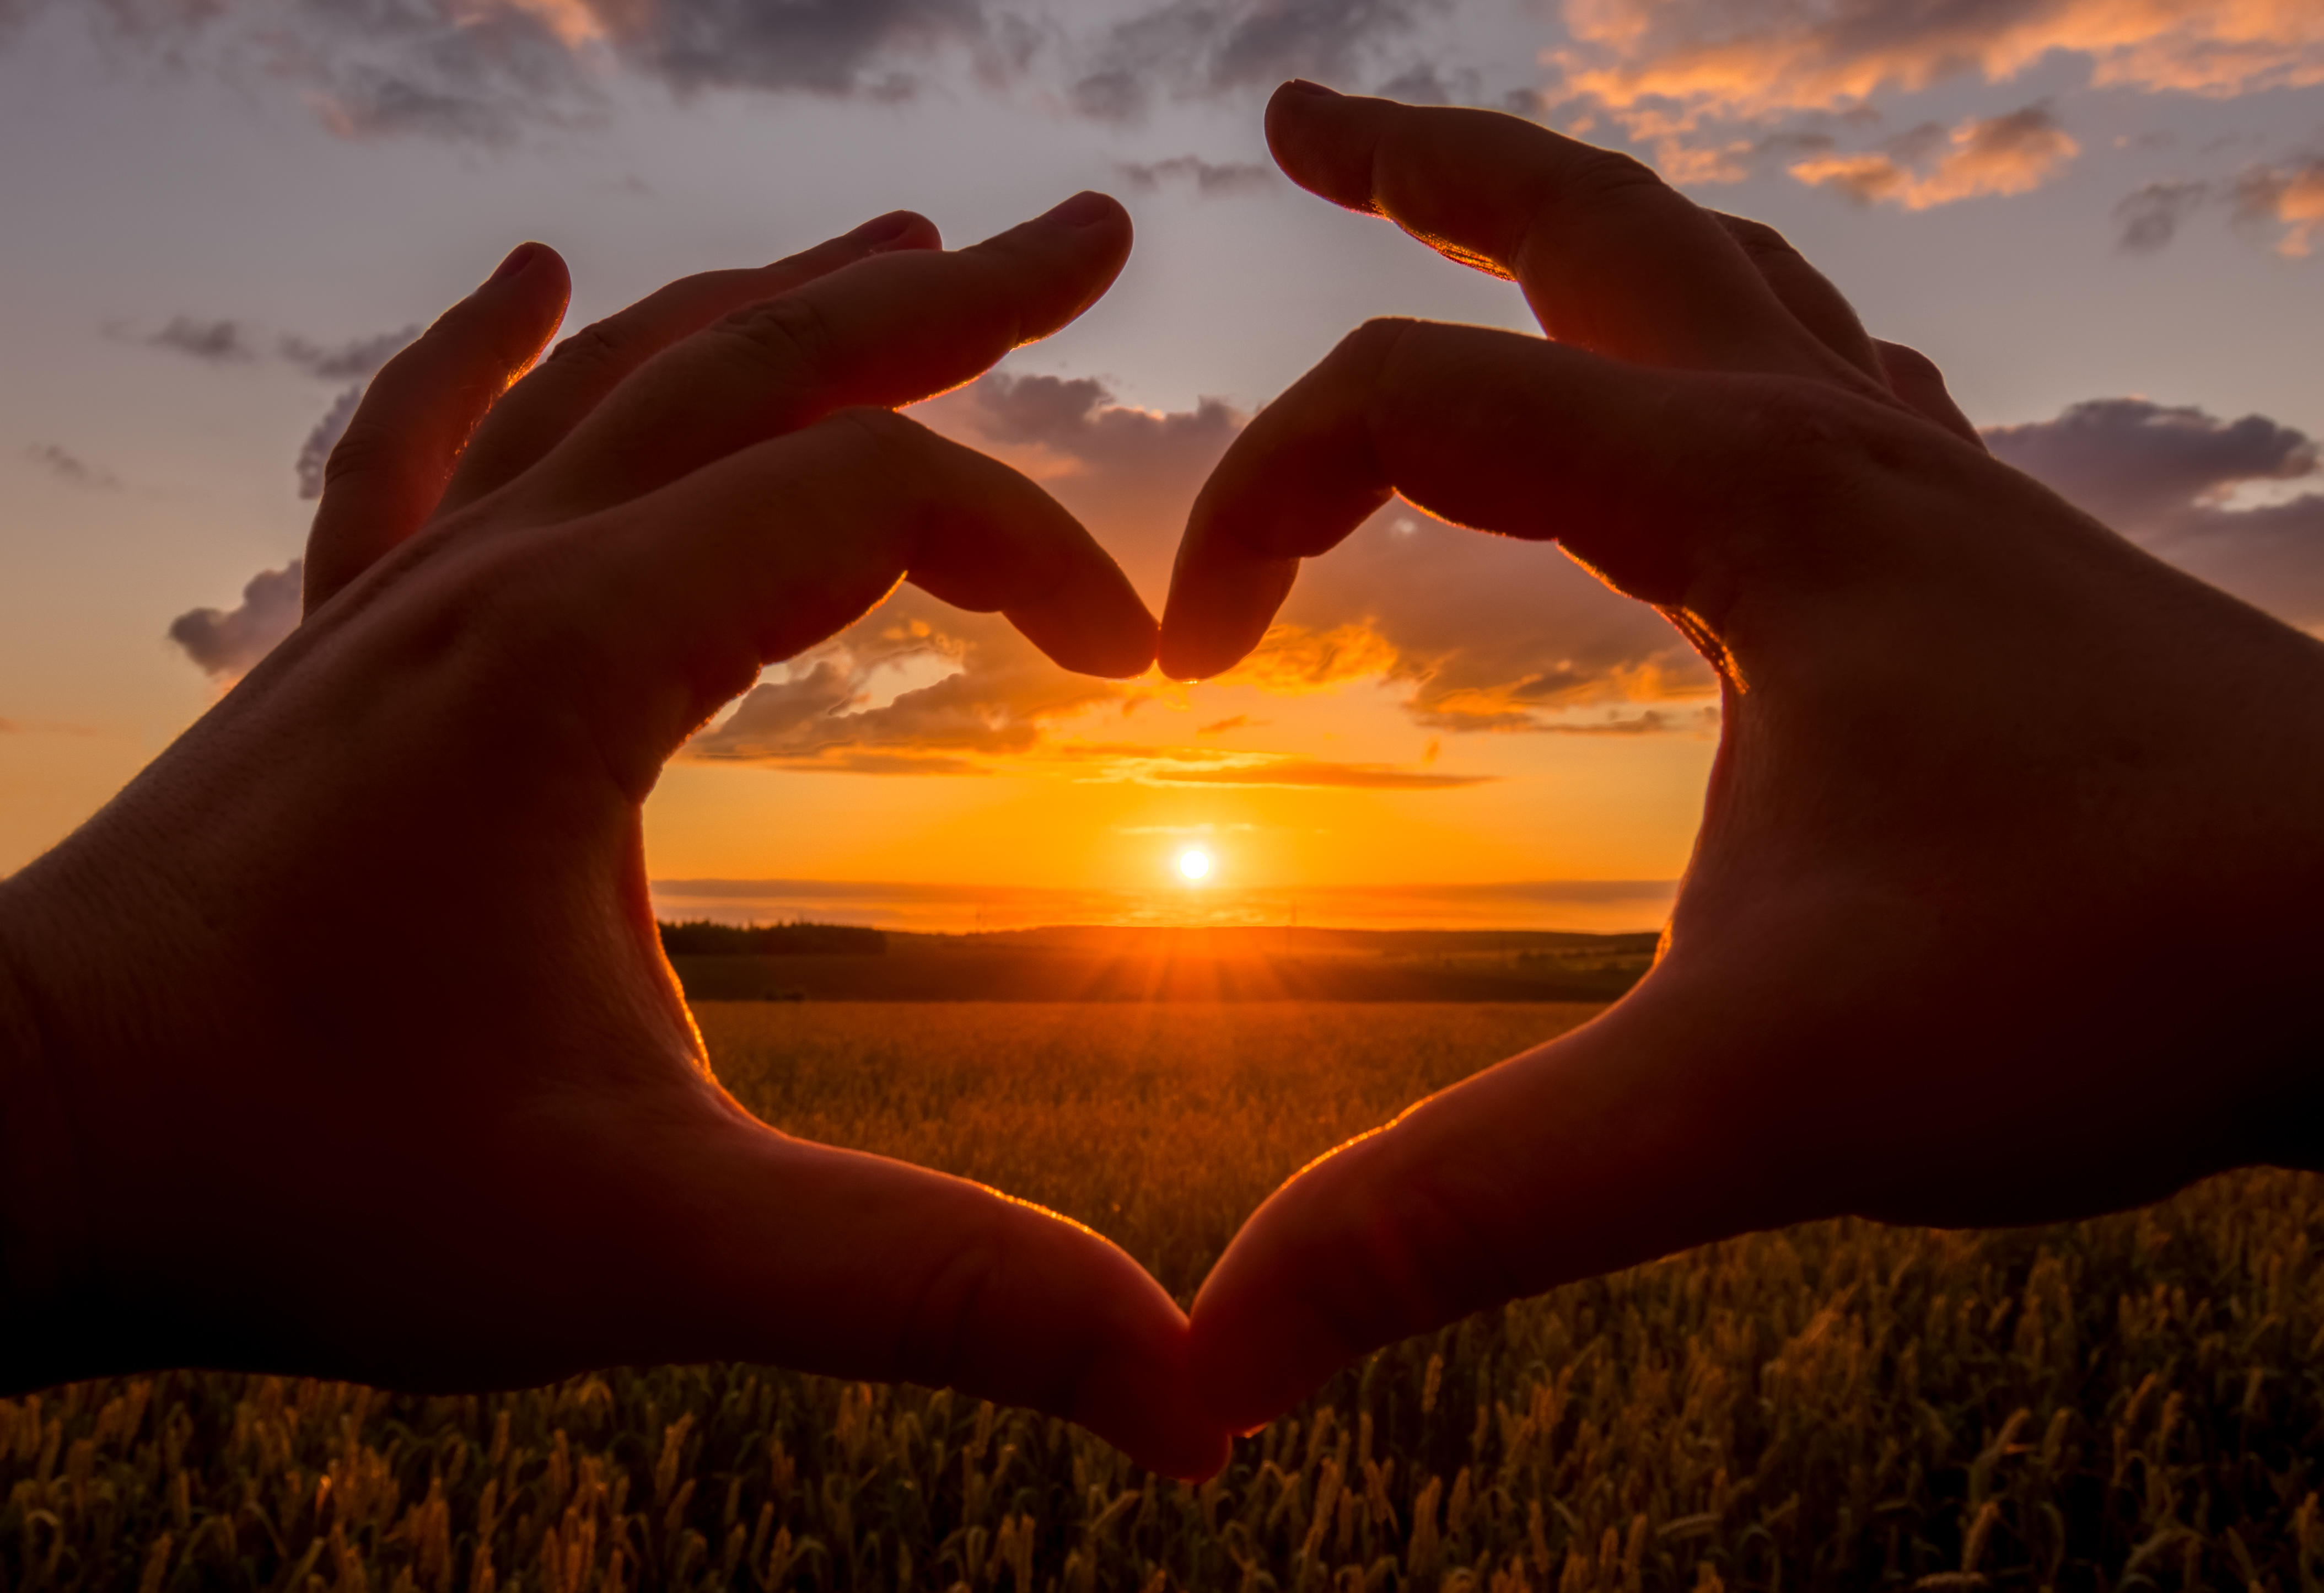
column 2133, row 1402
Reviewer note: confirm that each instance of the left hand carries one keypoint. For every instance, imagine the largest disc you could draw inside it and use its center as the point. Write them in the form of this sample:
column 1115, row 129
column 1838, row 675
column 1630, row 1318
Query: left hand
column 341, row 1042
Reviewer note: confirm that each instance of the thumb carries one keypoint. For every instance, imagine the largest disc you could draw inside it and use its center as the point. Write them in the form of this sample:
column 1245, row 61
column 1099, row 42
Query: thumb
column 1596, row 1152
column 388, row 471
column 743, row 1243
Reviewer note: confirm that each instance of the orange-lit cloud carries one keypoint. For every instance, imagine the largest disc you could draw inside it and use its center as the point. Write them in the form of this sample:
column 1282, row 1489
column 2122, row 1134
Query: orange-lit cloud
column 1294, row 659
column 1699, row 59
column 1691, row 78
column 2292, row 196
column 1195, row 765
column 2007, row 155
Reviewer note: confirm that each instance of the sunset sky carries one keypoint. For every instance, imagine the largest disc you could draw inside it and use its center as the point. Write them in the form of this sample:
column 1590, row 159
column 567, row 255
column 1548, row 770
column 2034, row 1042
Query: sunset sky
column 2103, row 218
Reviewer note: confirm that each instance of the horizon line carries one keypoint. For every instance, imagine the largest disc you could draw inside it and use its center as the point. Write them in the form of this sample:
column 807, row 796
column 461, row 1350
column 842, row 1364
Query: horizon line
column 1581, row 905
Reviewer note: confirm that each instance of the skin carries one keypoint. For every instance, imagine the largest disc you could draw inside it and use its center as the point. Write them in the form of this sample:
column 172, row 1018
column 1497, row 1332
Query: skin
column 2002, row 906
column 341, row 1043
column 363, row 968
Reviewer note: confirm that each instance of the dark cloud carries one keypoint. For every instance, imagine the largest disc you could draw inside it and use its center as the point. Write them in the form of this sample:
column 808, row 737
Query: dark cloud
column 1126, row 471
column 2151, row 217
column 824, row 46
column 1211, row 180
column 353, row 360
column 2284, row 198
column 1192, row 49
column 227, row 641
column 487, row 71
column 213, row 342
column 69, row 466
column 315, row 452
column 2166, row 477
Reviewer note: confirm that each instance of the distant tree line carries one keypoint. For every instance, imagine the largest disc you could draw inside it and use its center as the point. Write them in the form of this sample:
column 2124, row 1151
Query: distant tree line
column 700, row 937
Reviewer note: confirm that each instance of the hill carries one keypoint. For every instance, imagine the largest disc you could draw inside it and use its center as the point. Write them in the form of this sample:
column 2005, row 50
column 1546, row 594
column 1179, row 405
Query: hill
column 1105, row 963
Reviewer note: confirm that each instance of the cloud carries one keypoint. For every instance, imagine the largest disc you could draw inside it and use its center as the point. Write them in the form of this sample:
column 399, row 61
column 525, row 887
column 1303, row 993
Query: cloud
column 226, row 341
column 213, row 342
column 1683, row 75
column 355, row 360
column 1211, row 181
column 2291, row 195
column 70, row 468
column 487, row 71
column 1233, row 722
column 1486, row 633
column 2288, row 195
column 2151, row 217
column 2170, row 477
column 1202, row 766
column 2008, row 154
column 227, row 642
column 995, row 697
column 1198, row 48
column 315, row 452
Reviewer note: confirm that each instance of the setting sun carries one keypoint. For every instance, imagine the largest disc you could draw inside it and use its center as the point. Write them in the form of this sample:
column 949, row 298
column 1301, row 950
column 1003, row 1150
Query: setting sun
column 1194, row 865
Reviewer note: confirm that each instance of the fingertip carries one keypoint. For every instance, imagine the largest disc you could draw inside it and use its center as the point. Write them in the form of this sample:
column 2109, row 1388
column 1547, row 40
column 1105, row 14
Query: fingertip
column 1307, row 133
column 1097, row 625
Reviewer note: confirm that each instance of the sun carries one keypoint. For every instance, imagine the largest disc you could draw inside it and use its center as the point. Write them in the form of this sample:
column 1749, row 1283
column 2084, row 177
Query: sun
column 1194, row 863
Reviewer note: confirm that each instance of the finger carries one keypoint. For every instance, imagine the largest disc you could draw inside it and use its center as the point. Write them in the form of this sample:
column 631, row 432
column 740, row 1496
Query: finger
column 686, row 594
column 389, row 470
column 578, row 374
column 1634, row 470
column 883, row 331
column 1611, row 257
column 1805, row 292
column 1598, row 1151
column 1915, row 378
column 776, row 1251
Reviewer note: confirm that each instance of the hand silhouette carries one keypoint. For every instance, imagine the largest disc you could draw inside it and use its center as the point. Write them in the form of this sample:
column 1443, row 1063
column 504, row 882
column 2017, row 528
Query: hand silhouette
column 341, row 1042
column 2003, row 904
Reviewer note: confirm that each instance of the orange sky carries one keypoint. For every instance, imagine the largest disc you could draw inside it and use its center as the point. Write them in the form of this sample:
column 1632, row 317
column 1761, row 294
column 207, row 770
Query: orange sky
column 2099, row 215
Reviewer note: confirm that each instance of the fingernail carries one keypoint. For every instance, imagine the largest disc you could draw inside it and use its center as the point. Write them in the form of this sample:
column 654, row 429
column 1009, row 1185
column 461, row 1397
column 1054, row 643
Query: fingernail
column 1083, row 210
column 882, row 229
column 523, row 256
column 1301, row 86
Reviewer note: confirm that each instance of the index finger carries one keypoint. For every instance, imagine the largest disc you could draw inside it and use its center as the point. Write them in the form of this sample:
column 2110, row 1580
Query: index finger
column 1611, row 257
column 884, row 331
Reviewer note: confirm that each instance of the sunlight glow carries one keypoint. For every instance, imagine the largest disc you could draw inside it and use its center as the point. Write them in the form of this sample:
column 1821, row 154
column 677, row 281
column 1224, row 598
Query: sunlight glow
column 1193, row 865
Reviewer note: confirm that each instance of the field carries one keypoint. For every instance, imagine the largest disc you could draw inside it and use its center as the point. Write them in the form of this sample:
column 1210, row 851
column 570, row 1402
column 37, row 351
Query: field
column 2133, row 1402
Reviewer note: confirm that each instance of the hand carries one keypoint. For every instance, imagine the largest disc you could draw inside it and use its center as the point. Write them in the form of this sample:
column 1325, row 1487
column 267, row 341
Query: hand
column 2003, row 908
column 344, row 1042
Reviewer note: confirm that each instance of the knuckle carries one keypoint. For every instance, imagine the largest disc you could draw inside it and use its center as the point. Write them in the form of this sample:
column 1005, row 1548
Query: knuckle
column 1910, row 365
column 789, row 335
column 599, row 345
column 1756, row 237
column 365, row 450
column 1604, row 175
column 1370, row 345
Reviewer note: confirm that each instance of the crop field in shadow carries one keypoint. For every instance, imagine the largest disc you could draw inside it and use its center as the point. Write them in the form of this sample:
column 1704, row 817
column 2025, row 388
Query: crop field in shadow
column 2130, row 1402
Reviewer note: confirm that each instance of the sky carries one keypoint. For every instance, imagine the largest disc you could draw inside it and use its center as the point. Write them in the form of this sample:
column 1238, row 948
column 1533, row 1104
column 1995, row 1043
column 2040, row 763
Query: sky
column 2105, row 219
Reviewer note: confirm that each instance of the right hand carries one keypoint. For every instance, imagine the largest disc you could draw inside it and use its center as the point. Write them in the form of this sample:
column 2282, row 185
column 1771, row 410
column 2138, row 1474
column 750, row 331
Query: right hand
column 2005, row 905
